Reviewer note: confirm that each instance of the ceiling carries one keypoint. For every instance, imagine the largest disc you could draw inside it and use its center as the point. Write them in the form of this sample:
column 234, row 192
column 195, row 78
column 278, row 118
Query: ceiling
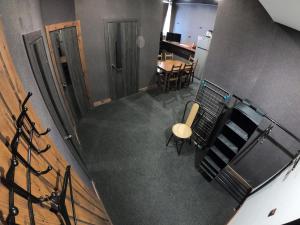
column 210, row 2
column 285, row 12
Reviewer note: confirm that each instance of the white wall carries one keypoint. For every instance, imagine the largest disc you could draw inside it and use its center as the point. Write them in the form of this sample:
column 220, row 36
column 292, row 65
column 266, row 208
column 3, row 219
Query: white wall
column 282, row 193
column 191, row 20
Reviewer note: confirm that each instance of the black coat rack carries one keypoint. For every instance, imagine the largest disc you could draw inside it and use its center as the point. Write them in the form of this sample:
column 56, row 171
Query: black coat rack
column 26, row 130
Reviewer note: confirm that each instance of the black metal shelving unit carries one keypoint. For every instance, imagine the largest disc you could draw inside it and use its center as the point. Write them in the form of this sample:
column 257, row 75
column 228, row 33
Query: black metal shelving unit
column 236, row 131
column 228, row 142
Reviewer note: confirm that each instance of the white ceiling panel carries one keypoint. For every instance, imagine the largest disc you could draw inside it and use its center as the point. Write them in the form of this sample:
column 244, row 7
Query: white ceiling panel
column 286, row 12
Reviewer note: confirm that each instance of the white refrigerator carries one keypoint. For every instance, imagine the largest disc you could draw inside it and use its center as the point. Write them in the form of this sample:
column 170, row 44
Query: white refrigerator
column 202, row 48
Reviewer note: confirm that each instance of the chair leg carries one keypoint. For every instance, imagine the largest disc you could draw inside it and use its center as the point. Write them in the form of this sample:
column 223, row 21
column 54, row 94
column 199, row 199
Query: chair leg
column 188, row 81
column 169, row 139
column 180, row 146
column 165, row 85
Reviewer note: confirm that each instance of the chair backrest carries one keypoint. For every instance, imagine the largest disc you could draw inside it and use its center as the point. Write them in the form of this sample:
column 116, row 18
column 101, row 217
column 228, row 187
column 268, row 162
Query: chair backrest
column 175, row 71
column 159, row 57
column 191, row 59
column 192, row 115
column 176, row 68
column 188, row 68
column 169, row 56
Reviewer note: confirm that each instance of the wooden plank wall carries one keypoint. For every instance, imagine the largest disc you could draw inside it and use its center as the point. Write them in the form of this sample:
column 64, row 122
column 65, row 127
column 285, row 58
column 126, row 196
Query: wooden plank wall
column 89, row 208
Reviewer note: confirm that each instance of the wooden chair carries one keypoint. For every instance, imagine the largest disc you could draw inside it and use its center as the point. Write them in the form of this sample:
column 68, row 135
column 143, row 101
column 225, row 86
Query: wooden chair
column 169, row 56
column 185, row 76
column 173, row 76
column 159, row 57
column 183, row 131
column 191, row 59
column 162, row 79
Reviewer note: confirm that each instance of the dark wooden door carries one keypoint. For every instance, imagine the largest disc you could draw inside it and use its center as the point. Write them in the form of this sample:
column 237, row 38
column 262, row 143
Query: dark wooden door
column 66, row 51
column 59, row 111
column 122, row 57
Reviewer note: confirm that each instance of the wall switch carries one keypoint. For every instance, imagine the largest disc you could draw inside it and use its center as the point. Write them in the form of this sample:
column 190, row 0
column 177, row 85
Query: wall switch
column 272, row 212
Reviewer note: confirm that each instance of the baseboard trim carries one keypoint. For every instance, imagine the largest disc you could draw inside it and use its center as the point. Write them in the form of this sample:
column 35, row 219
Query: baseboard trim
column 108, row 100
column 101, row 102
column 104, row 209
column 95, row 190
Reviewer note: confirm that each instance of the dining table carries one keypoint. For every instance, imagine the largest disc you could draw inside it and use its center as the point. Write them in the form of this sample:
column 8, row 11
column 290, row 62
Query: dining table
column 166, row 65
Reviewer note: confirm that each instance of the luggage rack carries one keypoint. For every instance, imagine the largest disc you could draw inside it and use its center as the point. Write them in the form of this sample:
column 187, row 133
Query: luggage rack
column 212, row 100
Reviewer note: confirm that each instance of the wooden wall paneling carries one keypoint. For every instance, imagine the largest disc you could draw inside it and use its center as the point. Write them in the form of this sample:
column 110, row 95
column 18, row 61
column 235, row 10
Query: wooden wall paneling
column 89, row 209
column 15, row 91
column 59, row 26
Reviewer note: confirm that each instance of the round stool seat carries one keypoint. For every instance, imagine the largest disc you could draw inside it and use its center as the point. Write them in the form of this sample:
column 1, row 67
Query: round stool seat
column 182, row 130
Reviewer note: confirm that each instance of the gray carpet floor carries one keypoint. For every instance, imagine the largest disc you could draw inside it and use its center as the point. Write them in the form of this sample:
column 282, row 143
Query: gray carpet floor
column 141, row 182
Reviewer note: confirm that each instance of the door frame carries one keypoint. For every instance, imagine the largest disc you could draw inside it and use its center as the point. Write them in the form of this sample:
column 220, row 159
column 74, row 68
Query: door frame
column 106, row 21
column 58, row 26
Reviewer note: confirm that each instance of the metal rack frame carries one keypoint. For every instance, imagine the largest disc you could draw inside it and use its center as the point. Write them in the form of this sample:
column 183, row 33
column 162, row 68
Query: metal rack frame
column 212, row 99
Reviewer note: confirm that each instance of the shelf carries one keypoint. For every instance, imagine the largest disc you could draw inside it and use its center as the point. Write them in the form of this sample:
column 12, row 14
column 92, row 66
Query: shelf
column 235, row 134
column 212, row 164
column 227, row 144
column 250, row 113
column 236, row 129
column 209, row 169
column 219, row 155
column 206, row 172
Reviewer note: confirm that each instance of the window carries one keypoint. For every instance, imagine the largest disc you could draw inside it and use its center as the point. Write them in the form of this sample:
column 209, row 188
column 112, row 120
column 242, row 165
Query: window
column 167, row 22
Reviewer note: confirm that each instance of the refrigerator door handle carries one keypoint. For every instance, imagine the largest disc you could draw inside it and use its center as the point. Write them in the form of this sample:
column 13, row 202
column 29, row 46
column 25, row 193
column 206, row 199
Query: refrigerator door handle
column 202, row 48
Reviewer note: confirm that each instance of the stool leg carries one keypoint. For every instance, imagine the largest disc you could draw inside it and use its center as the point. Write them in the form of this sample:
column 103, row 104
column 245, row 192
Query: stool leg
column 169, row 139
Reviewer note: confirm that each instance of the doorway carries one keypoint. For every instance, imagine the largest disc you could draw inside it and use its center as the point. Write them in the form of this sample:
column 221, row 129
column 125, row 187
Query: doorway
column 66, row 51
column 122, row 56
